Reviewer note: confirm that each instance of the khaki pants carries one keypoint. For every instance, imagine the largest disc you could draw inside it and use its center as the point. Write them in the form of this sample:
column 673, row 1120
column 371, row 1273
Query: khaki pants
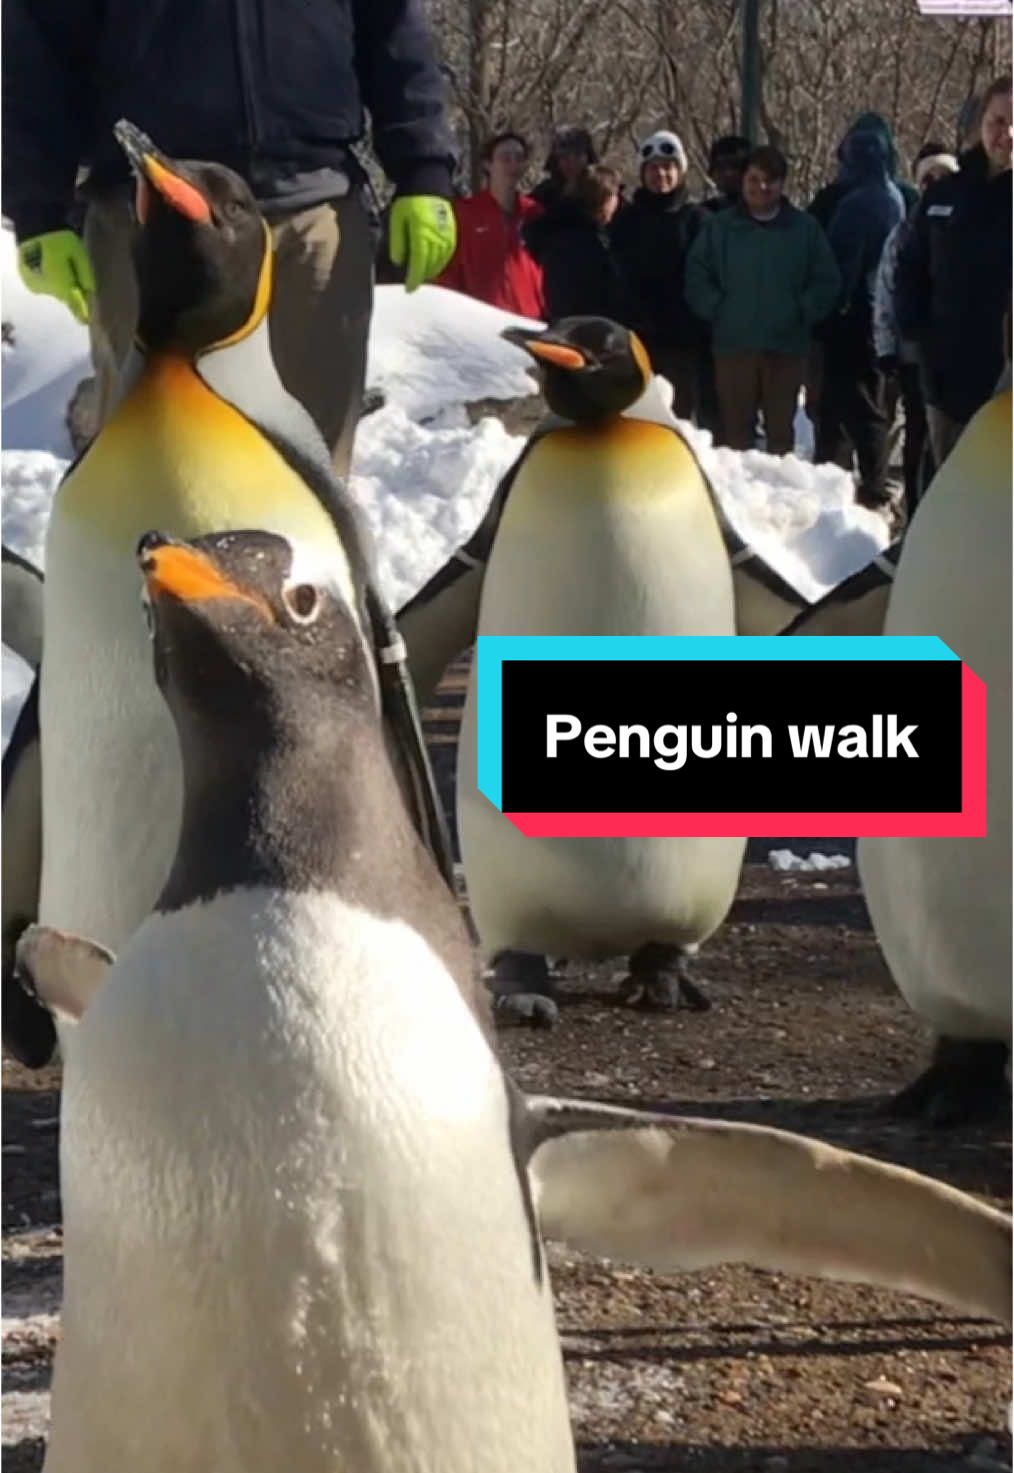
column 769, row 382
column 320, row 309
column 944, row 433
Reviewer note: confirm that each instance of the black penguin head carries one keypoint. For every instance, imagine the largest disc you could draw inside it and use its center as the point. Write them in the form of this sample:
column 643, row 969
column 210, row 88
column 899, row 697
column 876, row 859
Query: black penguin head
column 592, row 367
column 253, row 635
column 203, row 251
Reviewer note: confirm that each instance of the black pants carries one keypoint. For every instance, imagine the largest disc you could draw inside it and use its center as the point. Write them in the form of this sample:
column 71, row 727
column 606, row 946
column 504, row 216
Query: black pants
column 916, row 455
column 852, row 409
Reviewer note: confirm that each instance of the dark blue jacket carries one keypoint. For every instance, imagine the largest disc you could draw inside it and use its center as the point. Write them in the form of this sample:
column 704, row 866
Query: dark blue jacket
column 276, row 89
column 952, row 286
column 869, row 210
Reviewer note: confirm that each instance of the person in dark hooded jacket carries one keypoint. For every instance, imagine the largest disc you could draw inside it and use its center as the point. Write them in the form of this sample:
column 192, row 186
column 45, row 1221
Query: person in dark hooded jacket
column 651, row 238
column 573, row 245
column 853, row 403
column 953, row 277
column 829, row 197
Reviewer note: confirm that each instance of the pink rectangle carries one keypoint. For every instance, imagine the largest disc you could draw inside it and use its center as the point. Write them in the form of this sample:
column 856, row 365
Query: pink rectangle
column 969, row 823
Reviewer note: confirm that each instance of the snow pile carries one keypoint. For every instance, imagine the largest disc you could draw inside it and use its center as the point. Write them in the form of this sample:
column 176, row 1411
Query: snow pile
column 801, row 518
column 785, row 859
column 436, row 347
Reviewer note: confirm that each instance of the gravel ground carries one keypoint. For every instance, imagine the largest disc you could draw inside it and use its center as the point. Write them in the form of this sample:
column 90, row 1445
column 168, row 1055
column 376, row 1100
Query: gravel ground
column 729, row 1372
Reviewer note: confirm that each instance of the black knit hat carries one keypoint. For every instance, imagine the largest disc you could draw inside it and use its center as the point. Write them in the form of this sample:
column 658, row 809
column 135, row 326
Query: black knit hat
column 569, row 139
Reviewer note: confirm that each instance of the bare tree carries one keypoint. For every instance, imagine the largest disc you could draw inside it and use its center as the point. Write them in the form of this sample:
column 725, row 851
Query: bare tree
column 624, row 67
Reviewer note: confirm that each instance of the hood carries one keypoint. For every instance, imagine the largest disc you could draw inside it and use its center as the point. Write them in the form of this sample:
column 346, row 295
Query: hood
column 873, row 123
column 864, row 158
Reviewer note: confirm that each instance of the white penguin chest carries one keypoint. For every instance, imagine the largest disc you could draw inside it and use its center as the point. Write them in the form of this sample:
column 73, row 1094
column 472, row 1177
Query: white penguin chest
column 941, row 907
column 609, row 532
column 288, row 1181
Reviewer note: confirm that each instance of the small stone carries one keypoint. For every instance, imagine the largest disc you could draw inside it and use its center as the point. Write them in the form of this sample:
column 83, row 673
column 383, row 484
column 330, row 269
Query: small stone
column 882, row 1387
column 707, row 1064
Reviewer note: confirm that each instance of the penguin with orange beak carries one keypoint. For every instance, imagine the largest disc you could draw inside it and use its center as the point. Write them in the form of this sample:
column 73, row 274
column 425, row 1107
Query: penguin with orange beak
column 203, row 438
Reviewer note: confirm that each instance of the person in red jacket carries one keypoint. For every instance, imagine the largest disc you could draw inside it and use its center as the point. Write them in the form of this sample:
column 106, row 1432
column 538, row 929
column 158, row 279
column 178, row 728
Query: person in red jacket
column 490, row 261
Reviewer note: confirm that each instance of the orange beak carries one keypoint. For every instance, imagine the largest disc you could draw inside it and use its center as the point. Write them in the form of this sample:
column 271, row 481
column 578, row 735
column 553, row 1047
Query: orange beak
column 556, row 353
column 187, row 575
column 180, row 193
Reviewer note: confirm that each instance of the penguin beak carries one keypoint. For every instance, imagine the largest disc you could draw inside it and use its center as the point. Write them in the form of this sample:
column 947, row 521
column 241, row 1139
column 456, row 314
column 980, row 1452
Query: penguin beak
column 547, row 349
column 155, row 171
column 174, row 570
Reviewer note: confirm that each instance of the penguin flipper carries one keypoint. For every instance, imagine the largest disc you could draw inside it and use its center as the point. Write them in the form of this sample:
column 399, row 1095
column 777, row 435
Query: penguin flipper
column 63, row 971
column 22, row 606
column 857, row 605
column 28, row 1031
column 440, row 622
column 674, row 1193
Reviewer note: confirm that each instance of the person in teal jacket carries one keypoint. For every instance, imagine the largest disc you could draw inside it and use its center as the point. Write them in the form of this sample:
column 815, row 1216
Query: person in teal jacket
column 762, row 274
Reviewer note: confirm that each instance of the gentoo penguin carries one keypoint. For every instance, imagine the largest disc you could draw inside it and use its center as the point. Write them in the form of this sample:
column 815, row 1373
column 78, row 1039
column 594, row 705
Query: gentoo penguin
column 605, row 526
column 204, row 438
column 295, row 1180
column 941, row 907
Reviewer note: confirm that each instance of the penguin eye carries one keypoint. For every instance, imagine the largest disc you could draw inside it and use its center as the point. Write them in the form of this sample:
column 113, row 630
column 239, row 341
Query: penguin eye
column 302, row 602
column 233, row 209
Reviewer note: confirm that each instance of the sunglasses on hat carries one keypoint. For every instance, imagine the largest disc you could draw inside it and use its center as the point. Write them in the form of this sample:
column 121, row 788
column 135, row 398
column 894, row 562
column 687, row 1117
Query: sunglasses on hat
column 665, row 149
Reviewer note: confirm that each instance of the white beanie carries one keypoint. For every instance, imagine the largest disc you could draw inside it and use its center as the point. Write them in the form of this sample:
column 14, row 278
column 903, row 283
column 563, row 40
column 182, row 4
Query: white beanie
column 664, row 145
column 945, row 161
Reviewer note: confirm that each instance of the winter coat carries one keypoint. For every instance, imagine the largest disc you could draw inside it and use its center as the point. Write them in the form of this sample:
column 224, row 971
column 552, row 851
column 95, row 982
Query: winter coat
column 827, row 199
column 277, row 91
column 872, row 206
column 490, row 261
column 953, row 284
column 762, row 285
column 580, row 273
column 651, row 239
column 887, row 341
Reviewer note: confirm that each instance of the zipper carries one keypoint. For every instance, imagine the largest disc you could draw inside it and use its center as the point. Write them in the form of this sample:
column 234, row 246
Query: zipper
column 246, row 92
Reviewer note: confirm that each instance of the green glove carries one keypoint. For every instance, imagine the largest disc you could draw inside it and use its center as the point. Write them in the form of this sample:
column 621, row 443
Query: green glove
column 57, row 265
column 423, row 234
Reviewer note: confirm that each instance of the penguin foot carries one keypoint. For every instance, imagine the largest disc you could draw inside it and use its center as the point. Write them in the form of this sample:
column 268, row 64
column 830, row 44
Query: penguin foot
column 525, row 1009
column 965, row 1083
column 659, row 981
column 523, row 990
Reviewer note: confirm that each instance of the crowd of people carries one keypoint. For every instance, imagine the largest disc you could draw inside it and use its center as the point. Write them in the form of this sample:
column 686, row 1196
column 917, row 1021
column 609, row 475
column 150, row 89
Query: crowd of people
column 880, row 293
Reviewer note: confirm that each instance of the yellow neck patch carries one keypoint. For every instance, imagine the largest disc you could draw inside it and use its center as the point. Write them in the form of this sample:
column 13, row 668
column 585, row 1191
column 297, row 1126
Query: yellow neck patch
column 262, row 296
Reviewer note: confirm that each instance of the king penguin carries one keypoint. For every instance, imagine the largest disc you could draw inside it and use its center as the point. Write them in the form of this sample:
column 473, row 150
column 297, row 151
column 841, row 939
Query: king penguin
column 323, row 1244
column 605, row 526
column 203, row 438
column 941, row 908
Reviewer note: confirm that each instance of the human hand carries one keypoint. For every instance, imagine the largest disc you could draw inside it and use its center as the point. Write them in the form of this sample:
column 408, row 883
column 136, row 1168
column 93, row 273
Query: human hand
column 57, row 265
column 422, row 237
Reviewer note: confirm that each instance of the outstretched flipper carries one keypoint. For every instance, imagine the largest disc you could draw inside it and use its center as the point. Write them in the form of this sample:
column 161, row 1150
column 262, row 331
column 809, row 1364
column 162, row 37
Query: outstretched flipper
column 441, row 621
column 28, row 1031
column 858, row 605
column 62, row 971
column 22, row 607
column 675, row 1193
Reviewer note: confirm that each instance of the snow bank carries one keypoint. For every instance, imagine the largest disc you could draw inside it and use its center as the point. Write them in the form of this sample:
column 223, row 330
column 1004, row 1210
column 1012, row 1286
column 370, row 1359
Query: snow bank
column 437, row 347
column 785, row 859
